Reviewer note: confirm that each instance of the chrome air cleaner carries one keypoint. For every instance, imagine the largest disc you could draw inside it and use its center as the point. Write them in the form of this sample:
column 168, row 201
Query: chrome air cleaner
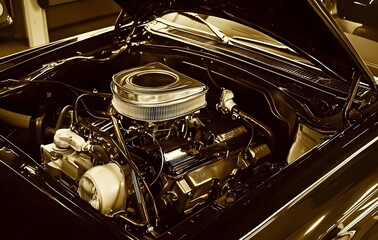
column 155, row 92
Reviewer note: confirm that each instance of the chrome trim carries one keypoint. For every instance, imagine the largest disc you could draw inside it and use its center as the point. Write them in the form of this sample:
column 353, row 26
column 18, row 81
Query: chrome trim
column 300, row 196
column 155, row 92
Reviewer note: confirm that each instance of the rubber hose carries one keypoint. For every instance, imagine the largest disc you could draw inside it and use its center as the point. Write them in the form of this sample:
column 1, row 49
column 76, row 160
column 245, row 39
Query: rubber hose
column 104, row 155
column 15, row 119
column 268, row 132
column 61, row 116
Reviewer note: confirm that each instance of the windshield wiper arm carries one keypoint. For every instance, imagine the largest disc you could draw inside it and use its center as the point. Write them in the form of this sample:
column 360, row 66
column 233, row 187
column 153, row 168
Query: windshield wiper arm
column 217, row 32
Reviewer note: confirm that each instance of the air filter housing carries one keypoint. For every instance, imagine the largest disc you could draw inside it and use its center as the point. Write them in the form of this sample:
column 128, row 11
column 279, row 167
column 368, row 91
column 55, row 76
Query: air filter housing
column 155, row 92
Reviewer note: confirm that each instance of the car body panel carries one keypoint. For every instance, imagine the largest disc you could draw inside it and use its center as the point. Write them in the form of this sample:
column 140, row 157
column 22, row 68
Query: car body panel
column 321, row 40
column 310, row 203
column 329, row 191
column 28, row 192
column 302, row 202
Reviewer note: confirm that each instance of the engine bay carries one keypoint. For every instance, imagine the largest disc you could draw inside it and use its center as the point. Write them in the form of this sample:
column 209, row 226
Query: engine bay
column 162, row 154
column 158, row 139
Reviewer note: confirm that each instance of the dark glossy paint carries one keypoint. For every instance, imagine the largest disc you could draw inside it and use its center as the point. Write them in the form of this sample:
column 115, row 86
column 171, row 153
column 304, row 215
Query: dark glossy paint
column 305, row 26
column 19, row 64
column 362, row 11
column 292, row 203
column 70, row 218
column 21, row 57
column 320, row 211
column 254, row 204
column 35, row 206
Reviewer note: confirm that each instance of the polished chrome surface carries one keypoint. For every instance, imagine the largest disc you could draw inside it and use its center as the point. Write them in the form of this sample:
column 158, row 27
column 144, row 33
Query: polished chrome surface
column 195, row 187
column 155, row 92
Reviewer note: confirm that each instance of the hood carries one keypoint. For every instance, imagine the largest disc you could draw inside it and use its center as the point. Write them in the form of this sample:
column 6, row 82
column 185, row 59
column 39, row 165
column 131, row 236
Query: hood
column 303, row 25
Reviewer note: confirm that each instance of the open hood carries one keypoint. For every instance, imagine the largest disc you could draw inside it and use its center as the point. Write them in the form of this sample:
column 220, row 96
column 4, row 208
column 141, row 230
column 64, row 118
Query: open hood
column 304, row 26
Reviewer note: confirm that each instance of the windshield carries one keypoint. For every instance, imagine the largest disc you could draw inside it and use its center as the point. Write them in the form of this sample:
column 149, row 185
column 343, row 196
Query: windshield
column 358, row 19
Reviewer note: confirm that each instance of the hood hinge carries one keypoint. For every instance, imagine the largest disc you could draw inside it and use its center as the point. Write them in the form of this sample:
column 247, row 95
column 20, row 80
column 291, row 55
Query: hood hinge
column 118, row 39
column 356, row 79
column 342, row 118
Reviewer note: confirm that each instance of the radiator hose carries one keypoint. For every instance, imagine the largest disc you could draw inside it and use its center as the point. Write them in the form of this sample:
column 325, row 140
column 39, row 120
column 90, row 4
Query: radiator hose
column 23, row 121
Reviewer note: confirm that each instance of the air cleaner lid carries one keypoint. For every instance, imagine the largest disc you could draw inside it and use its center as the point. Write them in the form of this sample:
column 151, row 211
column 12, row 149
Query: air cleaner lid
column 155, row 92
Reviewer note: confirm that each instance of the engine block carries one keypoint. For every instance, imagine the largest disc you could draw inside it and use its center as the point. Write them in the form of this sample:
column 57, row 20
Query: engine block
column 142, row 155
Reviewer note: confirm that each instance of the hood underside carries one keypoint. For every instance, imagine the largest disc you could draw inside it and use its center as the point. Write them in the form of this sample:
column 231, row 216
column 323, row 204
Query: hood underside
column 304, row 26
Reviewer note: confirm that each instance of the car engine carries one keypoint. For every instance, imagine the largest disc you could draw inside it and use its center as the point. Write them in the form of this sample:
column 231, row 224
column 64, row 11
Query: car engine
column 158, row 151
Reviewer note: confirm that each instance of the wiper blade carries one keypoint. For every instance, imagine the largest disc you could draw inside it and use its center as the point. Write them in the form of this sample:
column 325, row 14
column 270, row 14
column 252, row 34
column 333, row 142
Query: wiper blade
column 217, row 32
